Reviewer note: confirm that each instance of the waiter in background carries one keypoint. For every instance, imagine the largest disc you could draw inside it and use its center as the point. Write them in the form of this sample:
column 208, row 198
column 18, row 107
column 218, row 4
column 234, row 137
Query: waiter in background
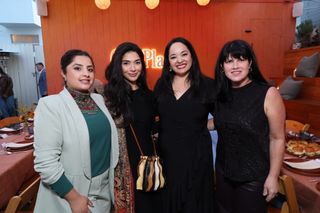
column 42, row 79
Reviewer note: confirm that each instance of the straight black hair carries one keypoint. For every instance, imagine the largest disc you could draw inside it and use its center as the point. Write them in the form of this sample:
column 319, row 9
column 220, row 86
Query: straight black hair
column 239, row 49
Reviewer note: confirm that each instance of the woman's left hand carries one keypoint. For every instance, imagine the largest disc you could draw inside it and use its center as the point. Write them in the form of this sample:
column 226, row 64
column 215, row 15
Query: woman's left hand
column 271, row 187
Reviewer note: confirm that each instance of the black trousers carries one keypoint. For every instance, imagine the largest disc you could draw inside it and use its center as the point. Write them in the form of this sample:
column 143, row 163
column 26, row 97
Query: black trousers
column 239, row 197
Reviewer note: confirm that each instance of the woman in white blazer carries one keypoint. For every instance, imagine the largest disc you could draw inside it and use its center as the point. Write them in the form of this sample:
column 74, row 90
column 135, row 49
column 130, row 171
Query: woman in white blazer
column 76, row 143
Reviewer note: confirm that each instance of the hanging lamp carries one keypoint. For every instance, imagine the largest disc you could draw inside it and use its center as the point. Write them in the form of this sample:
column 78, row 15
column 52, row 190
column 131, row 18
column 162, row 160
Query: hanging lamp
column 203, row 2
column 152, row 4
column 103, row 4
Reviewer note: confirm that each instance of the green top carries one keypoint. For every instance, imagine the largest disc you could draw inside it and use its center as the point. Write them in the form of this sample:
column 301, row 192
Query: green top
column 100, row 147
column 100, row 142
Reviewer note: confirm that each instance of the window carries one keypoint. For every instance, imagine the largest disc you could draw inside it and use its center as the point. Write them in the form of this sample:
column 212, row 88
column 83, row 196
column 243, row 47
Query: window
column 33, row 39
column 308, row 25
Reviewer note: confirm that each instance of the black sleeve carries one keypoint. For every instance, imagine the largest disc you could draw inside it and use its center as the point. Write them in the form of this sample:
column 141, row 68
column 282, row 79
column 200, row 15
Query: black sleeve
column 211, row 95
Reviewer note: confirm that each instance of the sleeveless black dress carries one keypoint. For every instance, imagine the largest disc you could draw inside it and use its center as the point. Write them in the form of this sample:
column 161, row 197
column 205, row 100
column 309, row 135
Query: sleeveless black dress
column 185, row 147
column 243, row 134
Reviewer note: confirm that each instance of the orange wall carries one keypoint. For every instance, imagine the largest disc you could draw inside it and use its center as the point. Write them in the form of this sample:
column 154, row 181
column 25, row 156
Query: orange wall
column 80, row 24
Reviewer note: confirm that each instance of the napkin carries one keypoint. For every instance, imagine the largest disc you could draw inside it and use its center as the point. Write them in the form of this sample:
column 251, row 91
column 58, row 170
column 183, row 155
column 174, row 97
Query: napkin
column 2, row 136
column 307, row 165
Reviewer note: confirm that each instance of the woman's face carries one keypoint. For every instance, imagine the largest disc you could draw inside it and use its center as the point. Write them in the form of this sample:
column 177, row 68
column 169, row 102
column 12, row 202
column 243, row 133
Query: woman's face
column 180, row 59
column 131, row 68
column 80, row 74
column 237, row 70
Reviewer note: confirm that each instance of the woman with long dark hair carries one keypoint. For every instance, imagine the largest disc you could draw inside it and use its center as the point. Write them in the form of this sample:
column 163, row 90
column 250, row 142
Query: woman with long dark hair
column 249, row 118
column 131, row 103
column 184, row 99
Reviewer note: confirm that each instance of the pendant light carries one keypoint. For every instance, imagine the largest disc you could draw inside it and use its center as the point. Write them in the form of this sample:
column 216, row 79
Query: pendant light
column 103, row 4
column 152, row 4
column 203, row 2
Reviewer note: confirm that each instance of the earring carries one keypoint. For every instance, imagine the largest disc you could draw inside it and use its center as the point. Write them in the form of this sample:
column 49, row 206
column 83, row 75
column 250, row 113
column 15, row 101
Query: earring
column 250, row 69
column 170, row 69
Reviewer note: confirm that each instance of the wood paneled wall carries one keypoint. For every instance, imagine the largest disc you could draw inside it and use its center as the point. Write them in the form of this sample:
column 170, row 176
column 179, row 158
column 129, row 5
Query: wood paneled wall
column 80, row 24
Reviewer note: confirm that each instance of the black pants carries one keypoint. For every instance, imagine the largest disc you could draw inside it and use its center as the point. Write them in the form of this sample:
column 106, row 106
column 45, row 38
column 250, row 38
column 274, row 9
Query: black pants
column 239, row 197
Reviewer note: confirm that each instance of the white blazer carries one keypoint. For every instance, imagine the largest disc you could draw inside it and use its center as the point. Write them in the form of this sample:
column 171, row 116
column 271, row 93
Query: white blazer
column 62, row 146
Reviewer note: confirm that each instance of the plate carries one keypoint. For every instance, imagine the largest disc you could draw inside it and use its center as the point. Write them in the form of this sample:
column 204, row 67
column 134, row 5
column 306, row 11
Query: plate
column 6, row 129
column 12, row 145
column 12, row 129
column 304, row 165
column 303, row 156
column 306, row 172
column 24, row 141
column 29, row 137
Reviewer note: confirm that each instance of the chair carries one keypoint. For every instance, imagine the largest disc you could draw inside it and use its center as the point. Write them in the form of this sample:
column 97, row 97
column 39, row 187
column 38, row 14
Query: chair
column 296, row 126
column 9, row 120
column 287, row 189
column 27, row 196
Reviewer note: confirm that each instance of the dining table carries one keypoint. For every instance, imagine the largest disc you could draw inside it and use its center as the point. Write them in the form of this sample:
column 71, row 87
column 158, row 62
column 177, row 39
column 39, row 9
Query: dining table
column 307, row 186
column 16, row 168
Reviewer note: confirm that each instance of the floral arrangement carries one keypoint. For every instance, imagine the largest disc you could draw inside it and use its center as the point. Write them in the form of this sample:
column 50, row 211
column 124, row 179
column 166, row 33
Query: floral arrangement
column 25, row 113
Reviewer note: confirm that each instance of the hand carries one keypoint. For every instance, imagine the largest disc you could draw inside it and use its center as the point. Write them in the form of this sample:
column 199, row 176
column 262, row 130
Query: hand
column 78, row 203
column 271, row 187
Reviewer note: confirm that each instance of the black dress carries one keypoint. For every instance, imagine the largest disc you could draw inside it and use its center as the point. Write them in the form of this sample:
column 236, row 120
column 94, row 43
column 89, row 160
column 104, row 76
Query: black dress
column 185, row 147
column 143, row 109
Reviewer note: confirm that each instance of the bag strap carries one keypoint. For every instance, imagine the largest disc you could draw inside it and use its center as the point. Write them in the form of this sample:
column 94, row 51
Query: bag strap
column 138, row 144
column 154, row 146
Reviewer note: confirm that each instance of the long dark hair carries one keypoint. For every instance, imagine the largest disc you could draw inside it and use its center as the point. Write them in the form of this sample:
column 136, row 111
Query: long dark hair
column 241, row 50
column 195, row 75
column 117, row 91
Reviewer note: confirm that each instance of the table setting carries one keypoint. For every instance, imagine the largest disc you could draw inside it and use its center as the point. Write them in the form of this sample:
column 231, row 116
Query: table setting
column 16, row 158
column 302, row 162
column 12, row 129
column 16, row 137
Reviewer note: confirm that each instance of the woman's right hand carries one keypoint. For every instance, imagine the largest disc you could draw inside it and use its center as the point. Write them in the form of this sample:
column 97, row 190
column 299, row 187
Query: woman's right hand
column 78, row 203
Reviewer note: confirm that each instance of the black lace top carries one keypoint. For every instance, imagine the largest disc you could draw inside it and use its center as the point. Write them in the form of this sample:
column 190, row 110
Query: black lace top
column 243, row 144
